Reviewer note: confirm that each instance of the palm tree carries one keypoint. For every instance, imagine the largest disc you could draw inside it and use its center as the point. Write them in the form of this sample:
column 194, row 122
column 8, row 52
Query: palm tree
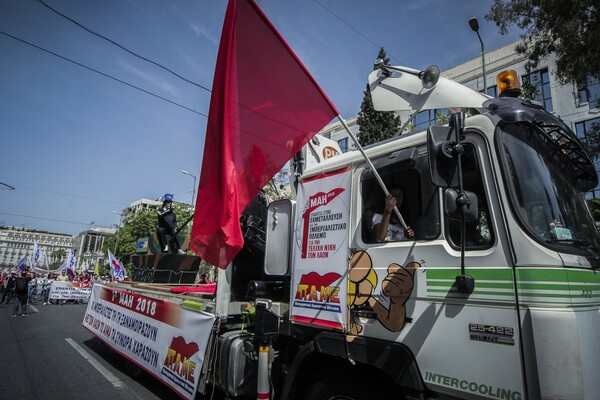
column 58, row 255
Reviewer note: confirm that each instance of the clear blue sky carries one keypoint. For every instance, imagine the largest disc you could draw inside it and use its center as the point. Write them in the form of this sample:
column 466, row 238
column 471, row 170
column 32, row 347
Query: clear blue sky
column 77, row 145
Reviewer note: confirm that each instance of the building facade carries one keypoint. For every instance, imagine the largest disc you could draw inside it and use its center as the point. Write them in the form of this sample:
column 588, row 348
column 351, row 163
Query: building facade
column 576, row 103
column 144, row 204
column 16, row 243
column 89, row 246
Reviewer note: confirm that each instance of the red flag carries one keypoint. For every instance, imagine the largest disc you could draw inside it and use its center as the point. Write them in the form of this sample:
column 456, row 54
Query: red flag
column 264, row 107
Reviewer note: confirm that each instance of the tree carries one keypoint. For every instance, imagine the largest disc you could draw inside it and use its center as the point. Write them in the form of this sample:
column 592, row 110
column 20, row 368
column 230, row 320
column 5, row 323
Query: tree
column 567, row 28
column 139, row 224
column 276, row 187
column 375, row 126
column 57, row 256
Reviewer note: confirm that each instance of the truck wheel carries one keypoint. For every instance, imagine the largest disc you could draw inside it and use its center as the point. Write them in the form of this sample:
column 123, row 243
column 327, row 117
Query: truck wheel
column 350, row 386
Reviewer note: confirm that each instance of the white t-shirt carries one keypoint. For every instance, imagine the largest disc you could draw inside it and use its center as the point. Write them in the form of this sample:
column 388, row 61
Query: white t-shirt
column 395, row 232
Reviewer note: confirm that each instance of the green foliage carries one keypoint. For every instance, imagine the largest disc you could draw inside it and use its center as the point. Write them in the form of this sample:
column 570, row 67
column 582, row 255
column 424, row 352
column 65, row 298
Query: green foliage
column 58, row 256
column 375, row 126
column 569, row 29
column 275, row 188
column 529, row 91
column 138, row 225
column 441, row 119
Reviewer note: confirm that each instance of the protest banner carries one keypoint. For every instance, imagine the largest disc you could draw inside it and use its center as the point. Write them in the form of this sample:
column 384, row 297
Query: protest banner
column 163, row 338
column 69, row 291
column 321, row 251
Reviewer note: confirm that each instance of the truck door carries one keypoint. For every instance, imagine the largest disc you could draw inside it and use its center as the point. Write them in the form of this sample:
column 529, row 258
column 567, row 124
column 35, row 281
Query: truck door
column 465, row 344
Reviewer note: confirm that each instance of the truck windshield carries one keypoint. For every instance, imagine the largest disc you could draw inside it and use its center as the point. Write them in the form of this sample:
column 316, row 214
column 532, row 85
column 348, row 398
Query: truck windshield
column 543, row 189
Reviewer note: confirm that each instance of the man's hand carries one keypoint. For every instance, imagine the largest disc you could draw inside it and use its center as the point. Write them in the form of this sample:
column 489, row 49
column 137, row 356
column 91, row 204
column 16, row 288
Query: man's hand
column 390, row 203
column 409, row 233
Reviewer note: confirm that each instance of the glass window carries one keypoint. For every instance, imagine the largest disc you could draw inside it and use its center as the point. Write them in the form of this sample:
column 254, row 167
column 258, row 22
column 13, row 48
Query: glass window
column 418, row 204
column 540, row 82
column 492, row 91
column 427, row 118
column 343, row 143
column 478, row 234
column 542, row 189
column 584, row 128
column 589, row 92
column 424, row 119
column 587, row 132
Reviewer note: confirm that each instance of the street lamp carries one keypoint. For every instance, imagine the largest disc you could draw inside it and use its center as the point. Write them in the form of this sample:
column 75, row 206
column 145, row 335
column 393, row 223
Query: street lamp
column 474, row 24
column 85, row 243
column 194, row 188
column 118, row 230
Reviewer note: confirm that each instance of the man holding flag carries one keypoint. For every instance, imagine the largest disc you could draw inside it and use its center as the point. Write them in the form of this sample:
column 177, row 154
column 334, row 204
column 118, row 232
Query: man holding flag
column 69, row 265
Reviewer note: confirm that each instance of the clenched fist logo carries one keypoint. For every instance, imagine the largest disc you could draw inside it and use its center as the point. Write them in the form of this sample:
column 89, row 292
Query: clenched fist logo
column 397, row 286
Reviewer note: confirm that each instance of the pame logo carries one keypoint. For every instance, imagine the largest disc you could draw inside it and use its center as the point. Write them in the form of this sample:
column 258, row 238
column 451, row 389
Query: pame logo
column 329, row 152
column 178, row 367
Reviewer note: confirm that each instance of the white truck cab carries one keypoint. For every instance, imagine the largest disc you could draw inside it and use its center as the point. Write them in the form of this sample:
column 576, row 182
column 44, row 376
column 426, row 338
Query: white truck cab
column 502, row 303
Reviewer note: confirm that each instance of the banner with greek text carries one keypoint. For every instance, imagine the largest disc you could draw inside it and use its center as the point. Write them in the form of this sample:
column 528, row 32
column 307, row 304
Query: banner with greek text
column 69, row 291
column 163, row 338
column 319, row 295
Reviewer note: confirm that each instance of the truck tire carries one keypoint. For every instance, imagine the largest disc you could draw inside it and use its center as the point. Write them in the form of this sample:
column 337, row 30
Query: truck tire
column 349, row 385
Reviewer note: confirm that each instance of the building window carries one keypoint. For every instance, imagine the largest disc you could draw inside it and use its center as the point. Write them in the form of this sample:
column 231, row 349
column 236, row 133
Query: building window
column 540, row 83
column 584, row 130
column 327, row 135
column 589, row 92
column 492, row 91
column 343, row 143
column 427, row 118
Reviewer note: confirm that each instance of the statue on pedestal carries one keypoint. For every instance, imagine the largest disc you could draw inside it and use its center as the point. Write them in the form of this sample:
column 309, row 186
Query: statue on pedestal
column 167, row 227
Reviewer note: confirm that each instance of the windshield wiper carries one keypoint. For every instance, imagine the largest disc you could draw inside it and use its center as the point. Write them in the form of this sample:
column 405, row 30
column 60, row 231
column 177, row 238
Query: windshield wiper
column 574, row 242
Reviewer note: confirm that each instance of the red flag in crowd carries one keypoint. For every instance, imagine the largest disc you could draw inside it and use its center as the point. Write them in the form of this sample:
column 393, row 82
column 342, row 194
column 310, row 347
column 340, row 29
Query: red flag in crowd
column 265, row 106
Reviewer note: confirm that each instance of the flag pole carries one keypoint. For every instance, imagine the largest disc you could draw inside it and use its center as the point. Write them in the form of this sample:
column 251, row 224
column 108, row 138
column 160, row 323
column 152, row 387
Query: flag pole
column 375, row 173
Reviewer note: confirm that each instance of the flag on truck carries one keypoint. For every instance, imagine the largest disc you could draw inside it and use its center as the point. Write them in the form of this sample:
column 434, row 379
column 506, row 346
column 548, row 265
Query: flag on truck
column 265, row 107
column 117, row 270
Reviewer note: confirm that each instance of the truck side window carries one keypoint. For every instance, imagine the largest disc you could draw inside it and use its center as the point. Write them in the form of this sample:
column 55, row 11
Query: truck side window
column 419, row 205
column 479, row 234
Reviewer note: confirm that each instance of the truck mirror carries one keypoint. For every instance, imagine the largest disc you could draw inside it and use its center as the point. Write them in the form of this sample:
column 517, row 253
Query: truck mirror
column 278, row 233
column 443, row 167
column 454, row 201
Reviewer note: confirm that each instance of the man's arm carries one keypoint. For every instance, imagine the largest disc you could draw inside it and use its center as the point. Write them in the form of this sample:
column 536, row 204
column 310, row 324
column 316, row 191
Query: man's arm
column 382, row 227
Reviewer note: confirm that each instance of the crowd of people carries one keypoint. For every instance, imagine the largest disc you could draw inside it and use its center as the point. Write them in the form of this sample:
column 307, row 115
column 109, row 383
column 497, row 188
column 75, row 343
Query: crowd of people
column 25, row 286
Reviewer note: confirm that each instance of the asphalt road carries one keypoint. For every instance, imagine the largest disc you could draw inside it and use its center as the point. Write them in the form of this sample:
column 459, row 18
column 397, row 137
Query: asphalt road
column 50, row 355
